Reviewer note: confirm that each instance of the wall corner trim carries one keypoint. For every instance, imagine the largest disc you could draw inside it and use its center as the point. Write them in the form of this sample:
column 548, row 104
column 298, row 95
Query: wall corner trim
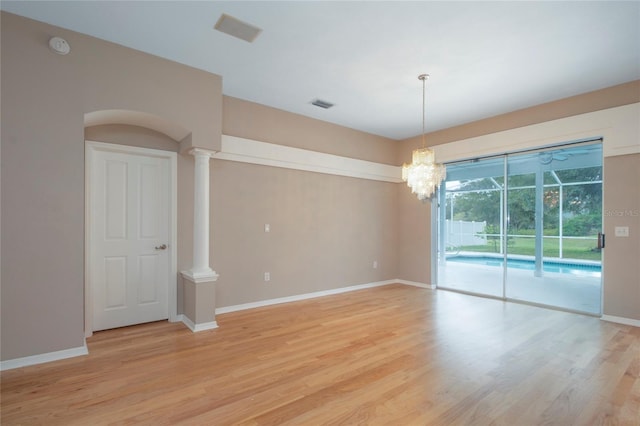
column 274, row 155
column 42, row 358
column 621, row 320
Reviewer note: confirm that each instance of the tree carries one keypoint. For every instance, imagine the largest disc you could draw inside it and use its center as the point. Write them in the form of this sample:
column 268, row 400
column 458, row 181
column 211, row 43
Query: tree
column 479, row 200
column 476, row 206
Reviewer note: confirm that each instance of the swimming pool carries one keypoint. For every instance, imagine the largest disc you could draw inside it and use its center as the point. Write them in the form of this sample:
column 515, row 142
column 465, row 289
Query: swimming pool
column 564, row 267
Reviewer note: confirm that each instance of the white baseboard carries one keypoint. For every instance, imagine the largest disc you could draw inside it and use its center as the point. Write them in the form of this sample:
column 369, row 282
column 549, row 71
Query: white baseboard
column 176, row 318
column 417, row 284
column 197, row 327
column 621, row 320
column 298, row 297
column 42, row 358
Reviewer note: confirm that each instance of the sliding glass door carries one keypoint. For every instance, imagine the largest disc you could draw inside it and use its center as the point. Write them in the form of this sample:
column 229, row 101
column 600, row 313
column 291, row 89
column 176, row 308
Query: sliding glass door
column 471, row 218
column 554, row 209
column 525, row 227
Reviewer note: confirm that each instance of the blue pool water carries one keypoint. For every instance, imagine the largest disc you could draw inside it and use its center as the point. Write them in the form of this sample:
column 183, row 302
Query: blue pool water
column 547, row 266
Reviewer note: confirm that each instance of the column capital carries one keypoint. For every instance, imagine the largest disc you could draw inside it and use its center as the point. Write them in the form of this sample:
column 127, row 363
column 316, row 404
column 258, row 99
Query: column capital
column 201, row 152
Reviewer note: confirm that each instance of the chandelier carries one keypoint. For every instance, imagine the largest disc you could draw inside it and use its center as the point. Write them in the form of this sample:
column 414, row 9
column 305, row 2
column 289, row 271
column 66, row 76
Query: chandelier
column 423, row 175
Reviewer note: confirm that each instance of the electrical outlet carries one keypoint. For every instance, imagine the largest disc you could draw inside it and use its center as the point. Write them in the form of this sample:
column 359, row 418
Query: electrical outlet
column 267, row 276
column 375, row 264
column 267, row 227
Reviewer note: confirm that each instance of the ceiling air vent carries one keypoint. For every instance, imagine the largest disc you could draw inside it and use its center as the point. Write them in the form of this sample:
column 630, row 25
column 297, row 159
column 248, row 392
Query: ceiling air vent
column 322, row 104
column 236, row 28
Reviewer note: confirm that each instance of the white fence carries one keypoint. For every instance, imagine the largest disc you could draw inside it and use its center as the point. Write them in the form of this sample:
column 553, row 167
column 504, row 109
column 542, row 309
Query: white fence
column 462, row 233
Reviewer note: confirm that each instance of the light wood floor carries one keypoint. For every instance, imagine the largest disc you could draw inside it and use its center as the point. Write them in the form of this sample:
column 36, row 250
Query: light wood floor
column 393, row 355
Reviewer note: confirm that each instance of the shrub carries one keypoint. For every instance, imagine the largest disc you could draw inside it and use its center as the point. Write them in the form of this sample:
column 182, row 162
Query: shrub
column 582, row 225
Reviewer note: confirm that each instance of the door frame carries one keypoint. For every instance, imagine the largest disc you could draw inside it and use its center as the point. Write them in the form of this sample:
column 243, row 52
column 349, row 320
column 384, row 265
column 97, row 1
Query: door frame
column 92, row 147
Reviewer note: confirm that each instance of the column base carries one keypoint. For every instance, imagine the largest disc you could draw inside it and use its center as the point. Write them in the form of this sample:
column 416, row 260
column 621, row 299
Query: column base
column 199, row 299
column 198, row 327
column 201, row 276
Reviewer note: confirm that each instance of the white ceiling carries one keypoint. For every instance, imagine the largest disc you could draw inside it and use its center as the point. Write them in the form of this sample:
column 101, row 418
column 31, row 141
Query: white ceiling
column 484, row 58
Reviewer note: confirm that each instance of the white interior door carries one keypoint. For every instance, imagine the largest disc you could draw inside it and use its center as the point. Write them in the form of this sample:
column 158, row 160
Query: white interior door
column 129, row 215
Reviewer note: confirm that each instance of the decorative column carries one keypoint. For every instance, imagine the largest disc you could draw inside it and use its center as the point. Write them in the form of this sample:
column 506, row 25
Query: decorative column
column 199, row 288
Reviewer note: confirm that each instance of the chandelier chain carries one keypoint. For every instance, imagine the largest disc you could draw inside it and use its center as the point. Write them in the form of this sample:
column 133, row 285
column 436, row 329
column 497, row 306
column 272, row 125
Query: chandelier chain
column 424, row 79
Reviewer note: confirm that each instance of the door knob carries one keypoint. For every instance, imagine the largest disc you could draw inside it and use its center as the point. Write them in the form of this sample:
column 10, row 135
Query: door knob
column 162, row 247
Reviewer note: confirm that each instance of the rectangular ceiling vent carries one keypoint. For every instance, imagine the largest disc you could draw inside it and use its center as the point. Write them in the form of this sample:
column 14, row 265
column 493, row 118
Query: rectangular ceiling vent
column 322, row 104
column 236, row 28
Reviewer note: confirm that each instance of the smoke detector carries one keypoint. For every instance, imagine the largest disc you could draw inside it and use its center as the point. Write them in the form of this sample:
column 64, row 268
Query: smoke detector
column 59, row 45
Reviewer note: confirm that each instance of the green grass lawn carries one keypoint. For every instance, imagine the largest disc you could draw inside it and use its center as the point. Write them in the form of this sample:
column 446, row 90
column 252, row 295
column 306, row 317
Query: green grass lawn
column 571, row 248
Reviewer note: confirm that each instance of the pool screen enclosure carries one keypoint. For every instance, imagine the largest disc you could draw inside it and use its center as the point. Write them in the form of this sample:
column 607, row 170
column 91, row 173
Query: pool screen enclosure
column 524, row 226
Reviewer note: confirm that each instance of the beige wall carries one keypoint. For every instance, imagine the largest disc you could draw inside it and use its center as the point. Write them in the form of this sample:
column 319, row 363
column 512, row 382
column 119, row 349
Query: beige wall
column 253, row 121
column 44, row 99
column 414, row 233
column 122, row 134
column 42, row 176
column 621, row 265
column 115, row 77
column 326, row 231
